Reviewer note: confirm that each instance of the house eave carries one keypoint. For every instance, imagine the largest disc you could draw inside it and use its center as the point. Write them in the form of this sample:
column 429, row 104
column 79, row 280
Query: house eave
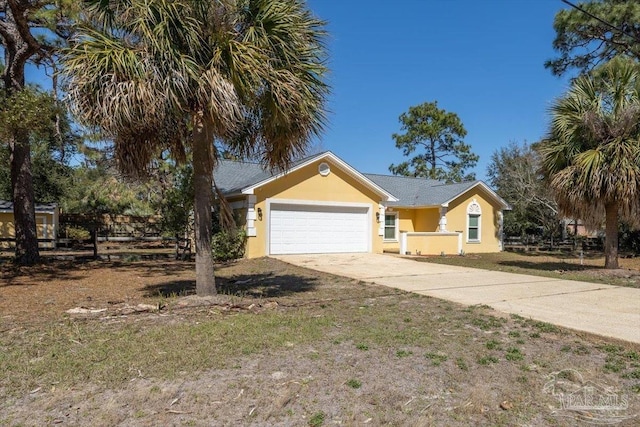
column 503, row 204
column 386, row 196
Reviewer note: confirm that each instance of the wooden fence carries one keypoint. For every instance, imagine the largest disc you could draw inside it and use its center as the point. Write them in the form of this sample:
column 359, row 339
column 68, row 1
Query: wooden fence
column 535, row 243
column 110, row 227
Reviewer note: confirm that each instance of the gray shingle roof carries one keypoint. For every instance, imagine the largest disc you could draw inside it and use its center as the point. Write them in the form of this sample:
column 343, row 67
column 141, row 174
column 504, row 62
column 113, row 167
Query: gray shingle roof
column 6, row 206
column 231, row 177
column 419, row 191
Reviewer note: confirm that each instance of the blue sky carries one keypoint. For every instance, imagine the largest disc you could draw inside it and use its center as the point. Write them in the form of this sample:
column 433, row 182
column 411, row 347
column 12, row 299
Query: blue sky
column 482, row 60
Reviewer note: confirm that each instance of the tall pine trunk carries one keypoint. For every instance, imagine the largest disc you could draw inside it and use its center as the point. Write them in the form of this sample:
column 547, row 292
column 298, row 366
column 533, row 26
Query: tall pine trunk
column 611, row 236
column 203, row 188
column 17, row 52
column 24, row 211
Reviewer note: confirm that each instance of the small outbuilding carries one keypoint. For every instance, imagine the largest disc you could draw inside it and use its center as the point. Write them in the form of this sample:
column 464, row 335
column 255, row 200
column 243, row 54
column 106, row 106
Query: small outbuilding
column 46, row 224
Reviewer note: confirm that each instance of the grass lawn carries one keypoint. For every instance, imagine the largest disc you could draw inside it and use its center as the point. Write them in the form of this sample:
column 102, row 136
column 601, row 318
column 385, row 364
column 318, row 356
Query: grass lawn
column 549, row 264
column 281, row 345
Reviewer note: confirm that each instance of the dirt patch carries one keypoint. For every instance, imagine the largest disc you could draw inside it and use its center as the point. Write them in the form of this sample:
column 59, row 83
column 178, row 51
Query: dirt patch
column 280, row 346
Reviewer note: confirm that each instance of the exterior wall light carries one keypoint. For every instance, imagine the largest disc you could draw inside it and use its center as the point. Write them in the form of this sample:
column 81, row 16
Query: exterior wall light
column 260, row 214
column 378, row 217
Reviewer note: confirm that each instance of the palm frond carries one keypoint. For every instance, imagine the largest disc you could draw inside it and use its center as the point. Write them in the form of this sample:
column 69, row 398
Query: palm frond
column 591, row 156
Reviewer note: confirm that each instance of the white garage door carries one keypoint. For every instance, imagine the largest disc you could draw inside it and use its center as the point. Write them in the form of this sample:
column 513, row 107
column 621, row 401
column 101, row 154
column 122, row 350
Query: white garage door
column 305, row 229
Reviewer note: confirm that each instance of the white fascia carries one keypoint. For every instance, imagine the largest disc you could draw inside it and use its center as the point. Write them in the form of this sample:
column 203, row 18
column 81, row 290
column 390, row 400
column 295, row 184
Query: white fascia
column 388, row 197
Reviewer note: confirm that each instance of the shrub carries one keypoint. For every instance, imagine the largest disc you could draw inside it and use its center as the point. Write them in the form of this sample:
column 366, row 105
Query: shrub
column 228, row 245
column 77, row 234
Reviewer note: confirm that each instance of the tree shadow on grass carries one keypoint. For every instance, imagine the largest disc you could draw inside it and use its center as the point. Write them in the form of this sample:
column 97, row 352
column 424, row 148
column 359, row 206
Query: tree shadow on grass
column 16, row 275
column 548, row 266
column 264, row 285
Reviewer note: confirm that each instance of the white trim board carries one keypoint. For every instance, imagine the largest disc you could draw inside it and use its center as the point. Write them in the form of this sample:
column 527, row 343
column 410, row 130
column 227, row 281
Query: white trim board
column 335, row 159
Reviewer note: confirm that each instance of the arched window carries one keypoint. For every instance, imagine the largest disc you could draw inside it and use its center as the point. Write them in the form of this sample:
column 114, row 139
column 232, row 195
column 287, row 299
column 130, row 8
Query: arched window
column 474, row 213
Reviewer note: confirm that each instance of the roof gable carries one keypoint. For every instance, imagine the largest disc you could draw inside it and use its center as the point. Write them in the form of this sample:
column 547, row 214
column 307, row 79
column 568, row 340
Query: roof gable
column 243, row 178
column 422, row 192
column 235, row 178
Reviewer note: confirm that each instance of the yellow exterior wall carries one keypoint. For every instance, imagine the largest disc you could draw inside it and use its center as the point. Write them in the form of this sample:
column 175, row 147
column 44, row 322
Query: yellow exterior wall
column 427, row 219
column 432, row 244
column 489, row 228
column 307, row 184
column 406, row 220
column 7, row 228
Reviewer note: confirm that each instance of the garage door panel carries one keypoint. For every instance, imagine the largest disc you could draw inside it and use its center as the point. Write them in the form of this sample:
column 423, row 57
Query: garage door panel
column 318, row 229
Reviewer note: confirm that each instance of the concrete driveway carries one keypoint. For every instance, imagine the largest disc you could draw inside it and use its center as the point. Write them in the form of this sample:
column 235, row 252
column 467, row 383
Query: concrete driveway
column 599, row 309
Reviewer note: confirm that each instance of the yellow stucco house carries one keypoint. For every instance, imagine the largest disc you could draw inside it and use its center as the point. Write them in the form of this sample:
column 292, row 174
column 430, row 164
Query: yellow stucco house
column 46, row 224
column 323, row 205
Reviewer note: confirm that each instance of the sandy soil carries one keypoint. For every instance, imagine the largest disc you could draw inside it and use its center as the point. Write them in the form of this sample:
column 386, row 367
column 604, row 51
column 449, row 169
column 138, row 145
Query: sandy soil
column 397, row 379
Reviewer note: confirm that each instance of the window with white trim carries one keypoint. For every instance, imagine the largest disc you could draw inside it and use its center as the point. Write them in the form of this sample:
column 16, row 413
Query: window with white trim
column 474, row 214
column 391, row 226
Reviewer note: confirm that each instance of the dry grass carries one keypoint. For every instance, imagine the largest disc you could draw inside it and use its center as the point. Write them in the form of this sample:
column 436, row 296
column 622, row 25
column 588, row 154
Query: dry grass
column 558, row 265
column 282, row 346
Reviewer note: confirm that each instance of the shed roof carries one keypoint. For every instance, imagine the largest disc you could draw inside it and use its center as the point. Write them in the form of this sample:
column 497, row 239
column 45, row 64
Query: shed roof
column 7, row 207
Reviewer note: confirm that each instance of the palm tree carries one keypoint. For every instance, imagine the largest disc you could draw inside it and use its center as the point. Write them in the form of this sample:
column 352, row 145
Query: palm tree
column 178, row 75
column 592, row 155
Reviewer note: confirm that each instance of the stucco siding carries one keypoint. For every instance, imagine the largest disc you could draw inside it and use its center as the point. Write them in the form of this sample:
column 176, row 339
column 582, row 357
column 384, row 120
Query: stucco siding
column 427, row 219
column 432, row 244
column 457, row 221
column 306, row 184
column 406, row 220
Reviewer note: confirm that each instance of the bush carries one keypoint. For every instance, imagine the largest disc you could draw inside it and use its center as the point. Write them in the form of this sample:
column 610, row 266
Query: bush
column 228, row 245
column 77, row 234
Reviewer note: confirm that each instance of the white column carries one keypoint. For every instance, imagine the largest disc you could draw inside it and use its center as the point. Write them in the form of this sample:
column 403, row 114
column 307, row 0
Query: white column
column 459, row 243
column 56, row 220
column 443, row 219
column 251, row 215
column 381, row 210
column 500, row 231
column 403, row 243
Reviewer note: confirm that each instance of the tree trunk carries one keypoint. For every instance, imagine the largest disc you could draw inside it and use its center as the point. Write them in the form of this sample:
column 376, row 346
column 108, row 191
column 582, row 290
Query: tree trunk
column 611, row 236
column 24, row 211
column 203, row 187
column 19, row 46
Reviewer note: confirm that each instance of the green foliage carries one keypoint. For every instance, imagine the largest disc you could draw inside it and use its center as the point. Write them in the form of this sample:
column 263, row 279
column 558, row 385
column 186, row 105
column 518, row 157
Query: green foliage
column 176, row 203
column 583, row 42
column 592, row 156
column 228, row 245
column 513, row 354
column 97, row 187
column 353, row 383
column 438, row 136
column 100, row 194
column 186, row 74
column 29, row 111
column 76, row 233
column 629, row 238
column 486, row 360
column 38, row 115
column 317, row 419
column 514, row 172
